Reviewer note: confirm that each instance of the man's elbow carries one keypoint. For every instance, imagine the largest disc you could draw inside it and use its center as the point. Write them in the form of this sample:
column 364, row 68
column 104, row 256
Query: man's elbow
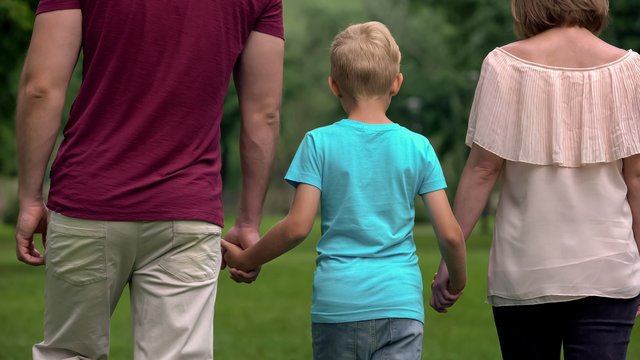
column 263, row 120
column 271, row 117
column 40, row 89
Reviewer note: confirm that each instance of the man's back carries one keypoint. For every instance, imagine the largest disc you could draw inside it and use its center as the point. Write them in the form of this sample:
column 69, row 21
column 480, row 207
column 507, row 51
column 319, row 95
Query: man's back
column 142, row 142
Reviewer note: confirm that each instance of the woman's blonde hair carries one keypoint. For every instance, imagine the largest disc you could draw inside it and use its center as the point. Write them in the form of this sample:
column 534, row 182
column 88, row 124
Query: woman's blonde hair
column 531, row 17
column 365, row 60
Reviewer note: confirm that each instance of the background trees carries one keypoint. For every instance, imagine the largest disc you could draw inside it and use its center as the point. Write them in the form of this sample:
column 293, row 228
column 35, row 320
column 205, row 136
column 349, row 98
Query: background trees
column 16, row 22
column 442, row 43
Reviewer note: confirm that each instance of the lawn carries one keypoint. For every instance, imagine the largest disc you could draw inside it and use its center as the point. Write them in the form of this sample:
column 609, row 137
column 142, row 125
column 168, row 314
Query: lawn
column 270, row 318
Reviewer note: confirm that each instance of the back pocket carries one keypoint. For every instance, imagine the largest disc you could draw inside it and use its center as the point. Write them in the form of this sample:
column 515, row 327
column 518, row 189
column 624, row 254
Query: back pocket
column 75, row 249
column 195, row 255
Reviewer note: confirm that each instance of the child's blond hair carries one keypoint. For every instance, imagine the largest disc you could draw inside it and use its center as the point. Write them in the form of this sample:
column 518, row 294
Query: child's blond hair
column 365, row 60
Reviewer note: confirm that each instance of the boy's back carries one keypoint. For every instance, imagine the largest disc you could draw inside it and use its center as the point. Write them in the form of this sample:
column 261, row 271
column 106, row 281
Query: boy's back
column 369, row 175
column 365, row 172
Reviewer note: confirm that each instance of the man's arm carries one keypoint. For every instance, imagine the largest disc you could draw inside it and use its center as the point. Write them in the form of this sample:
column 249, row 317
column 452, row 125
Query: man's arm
column 478, row 177
column 52, row 55
column 258, row 80
column 284, row 236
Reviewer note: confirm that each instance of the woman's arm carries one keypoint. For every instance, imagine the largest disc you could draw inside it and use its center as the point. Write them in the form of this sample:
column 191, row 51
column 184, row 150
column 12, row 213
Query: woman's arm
column 631, row 171
column 476, row 182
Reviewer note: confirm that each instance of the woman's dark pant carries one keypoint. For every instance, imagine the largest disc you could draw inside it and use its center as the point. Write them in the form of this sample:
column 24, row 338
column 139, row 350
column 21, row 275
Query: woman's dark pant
column 592, row 328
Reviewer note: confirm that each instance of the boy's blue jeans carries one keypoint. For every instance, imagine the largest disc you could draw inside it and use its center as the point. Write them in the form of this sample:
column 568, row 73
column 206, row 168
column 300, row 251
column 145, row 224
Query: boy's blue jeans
column 380, row 339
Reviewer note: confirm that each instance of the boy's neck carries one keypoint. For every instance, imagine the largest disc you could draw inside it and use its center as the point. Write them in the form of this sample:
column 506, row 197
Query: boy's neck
column 369, row 111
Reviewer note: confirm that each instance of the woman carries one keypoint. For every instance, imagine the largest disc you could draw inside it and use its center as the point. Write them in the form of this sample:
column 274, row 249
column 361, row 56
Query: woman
column 557, row 116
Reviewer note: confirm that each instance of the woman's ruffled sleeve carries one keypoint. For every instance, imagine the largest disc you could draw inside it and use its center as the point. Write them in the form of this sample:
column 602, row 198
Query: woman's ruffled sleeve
column 568, row 117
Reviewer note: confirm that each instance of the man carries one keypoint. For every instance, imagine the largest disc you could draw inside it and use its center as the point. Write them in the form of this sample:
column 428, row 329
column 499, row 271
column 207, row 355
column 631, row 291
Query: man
column 135, row 193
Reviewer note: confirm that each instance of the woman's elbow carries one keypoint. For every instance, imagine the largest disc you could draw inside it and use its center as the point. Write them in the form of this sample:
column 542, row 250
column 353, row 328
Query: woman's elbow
column 483, row 164
column 487, row 172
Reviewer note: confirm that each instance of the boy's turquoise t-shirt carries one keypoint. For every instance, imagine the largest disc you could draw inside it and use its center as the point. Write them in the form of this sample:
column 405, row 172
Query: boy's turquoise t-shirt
column 369, row 175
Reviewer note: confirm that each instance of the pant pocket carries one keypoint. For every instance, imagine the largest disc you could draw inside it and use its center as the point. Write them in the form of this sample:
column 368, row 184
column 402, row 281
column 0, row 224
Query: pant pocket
column 76, row 249
column 195, row 255
column 331, row 341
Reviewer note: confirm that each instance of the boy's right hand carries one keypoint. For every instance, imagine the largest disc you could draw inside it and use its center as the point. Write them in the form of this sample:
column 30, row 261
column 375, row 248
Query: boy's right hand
column 232, row 254
column 243, row 237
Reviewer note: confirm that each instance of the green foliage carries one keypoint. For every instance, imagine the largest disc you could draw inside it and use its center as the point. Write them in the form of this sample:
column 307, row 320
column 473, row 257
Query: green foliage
column 443, row 44
column 624, row 25
column 307, row 101
column 16, row 22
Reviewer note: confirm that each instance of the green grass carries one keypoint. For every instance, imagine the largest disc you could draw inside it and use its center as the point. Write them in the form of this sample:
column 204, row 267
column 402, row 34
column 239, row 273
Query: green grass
column 270, row 318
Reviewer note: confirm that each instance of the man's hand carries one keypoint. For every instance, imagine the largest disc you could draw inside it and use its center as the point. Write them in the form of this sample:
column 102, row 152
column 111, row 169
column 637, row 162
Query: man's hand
column 31, row 220
column 243, row 238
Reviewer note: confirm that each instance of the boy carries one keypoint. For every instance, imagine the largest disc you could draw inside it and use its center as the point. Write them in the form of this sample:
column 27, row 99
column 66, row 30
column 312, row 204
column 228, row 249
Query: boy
column 366, row 171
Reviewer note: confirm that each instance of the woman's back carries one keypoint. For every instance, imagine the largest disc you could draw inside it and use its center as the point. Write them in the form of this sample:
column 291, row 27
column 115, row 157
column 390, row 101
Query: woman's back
column 561, row 108
column 557, row 115
column 569, row 47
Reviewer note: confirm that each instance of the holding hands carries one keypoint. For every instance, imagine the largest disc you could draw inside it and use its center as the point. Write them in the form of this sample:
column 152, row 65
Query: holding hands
column 240, row 238
column 234, row 256
column 443, row 296
column 244, row 251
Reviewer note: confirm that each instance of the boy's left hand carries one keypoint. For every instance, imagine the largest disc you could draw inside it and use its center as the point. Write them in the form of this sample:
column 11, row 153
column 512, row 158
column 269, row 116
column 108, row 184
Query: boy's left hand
column 441, row 298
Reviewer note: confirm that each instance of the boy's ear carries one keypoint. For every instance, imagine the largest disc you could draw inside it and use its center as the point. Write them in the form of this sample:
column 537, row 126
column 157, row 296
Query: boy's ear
column 397, row 83
column 335, row 89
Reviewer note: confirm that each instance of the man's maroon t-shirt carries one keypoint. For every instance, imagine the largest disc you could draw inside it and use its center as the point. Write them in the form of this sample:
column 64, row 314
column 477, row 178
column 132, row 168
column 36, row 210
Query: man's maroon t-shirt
column 143, row 137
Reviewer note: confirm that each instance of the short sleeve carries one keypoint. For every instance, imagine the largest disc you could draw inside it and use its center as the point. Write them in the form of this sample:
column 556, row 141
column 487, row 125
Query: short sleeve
column 541, row 115
column 53, row 5
column 306, row 166
column 434, row 178
column 270, row 21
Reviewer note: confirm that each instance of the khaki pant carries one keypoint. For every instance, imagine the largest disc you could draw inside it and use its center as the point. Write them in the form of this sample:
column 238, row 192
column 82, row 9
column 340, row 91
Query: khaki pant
column 171, row 268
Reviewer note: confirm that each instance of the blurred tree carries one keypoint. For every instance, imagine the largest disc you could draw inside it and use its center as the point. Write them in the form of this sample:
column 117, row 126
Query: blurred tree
column 16, row 22
column 307, row 101
column 443, row 44
column 624, row 25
